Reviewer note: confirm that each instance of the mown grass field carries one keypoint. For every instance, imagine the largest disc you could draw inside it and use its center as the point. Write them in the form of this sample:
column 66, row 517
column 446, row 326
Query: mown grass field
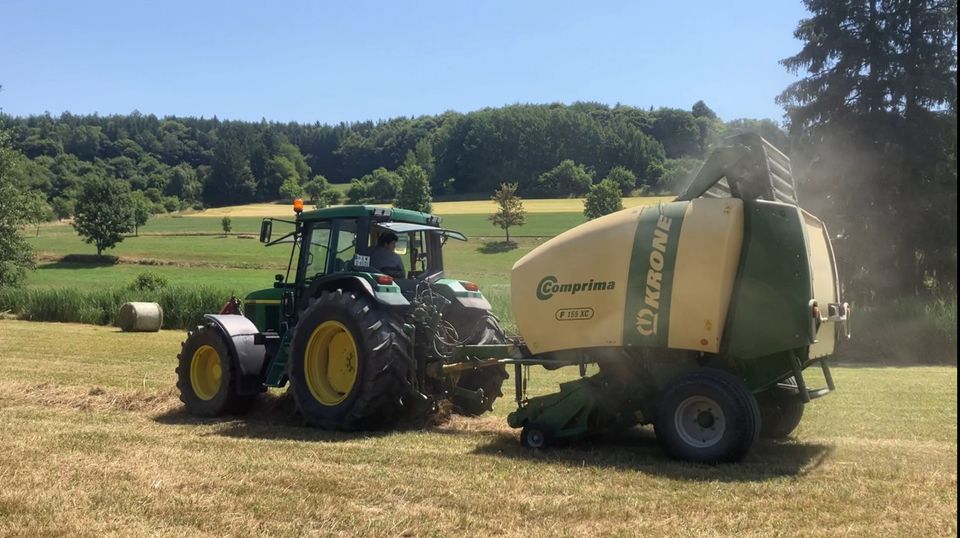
column 94, row 441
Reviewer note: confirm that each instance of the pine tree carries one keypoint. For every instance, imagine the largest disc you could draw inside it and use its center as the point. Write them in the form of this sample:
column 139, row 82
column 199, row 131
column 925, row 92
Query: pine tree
column 874, row 132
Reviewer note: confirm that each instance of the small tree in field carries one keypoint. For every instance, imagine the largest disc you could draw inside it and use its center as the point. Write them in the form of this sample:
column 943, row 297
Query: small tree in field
column 315, row 187
column 141, row 210
column 227, row 224
column 603, row 199
column 414, row 190
column 328, row 198
column 291, row 189
column 104, row 212
column 36, row 208
column 510, row 210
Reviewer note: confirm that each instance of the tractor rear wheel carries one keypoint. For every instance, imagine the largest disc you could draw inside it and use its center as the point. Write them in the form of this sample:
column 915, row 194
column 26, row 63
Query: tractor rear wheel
column 707, row 416
column 206, row 375
column 781, row 410
column 349, row 364
column 489, row 379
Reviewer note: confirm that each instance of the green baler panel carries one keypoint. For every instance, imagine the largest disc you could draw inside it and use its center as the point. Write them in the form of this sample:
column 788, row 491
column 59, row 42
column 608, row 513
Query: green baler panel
column 770, row 307
column 654, row 249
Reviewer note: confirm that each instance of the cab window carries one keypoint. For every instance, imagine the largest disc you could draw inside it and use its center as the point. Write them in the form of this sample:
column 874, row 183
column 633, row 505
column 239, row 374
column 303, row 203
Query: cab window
column 318, row 250
column 346, row 246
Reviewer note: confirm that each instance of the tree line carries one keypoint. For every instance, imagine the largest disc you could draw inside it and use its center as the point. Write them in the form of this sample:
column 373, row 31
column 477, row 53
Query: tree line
column 179, row 162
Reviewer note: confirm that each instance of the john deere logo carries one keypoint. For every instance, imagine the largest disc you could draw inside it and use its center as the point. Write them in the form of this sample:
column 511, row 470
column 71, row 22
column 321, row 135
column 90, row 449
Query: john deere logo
column 648, row 317
column 550, row 286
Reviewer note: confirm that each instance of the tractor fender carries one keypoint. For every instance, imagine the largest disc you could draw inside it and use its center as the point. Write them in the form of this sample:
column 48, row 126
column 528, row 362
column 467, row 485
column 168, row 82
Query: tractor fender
column 358, row 285
column 239, row 333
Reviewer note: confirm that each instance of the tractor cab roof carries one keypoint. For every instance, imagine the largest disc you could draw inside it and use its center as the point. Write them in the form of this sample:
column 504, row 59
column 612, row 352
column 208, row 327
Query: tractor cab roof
column 379, row 214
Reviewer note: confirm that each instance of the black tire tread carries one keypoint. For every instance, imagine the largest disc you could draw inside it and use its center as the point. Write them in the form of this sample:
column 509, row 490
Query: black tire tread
column 384, row 381
column 222, row 404
column 747, row 424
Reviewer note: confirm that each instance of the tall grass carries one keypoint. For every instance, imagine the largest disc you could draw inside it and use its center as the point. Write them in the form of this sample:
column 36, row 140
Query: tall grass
column 183, row 307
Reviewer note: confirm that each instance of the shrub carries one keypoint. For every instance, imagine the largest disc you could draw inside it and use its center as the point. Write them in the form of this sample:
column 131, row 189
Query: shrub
column 149, row 280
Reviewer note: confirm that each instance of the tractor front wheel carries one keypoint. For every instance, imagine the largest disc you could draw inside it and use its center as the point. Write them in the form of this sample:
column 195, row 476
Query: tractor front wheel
column 349, row 364
column 707, row 416
column 206, row 375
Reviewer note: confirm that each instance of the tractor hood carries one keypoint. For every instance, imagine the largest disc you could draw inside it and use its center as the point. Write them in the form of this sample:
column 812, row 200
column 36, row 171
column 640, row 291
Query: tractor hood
column 406, row 227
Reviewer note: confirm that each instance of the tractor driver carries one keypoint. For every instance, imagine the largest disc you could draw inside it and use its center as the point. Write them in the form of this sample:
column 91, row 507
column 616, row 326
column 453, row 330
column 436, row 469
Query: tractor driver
column 384, row 258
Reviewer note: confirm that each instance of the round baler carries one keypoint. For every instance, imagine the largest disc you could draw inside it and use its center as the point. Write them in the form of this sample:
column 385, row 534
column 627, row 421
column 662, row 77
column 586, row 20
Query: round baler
column 701, row 314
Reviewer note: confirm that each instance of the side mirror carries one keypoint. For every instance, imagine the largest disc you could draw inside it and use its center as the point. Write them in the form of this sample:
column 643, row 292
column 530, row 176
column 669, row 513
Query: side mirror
column 266, row 227
column 278, row 281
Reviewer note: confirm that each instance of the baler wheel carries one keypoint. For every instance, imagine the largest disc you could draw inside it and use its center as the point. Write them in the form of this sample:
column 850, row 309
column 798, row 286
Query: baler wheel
column 535, row 435
column 206, row 377
column 781, row 410
column 349, row 363
column 707, row 416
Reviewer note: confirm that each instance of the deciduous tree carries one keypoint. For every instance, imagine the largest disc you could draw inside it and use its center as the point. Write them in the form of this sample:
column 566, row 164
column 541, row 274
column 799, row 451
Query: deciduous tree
column 15, row 253
column 510, row 212
column 566, row 179
column 603, row 199
column 624, row 178
column 414, row 189
column 104, row 212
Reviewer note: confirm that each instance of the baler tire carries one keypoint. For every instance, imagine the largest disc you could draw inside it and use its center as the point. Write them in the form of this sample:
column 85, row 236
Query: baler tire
column 376, row 398
column 489, row 379
column 737, row 412
column 781, row 411
column 203, row 342
column 536, row 436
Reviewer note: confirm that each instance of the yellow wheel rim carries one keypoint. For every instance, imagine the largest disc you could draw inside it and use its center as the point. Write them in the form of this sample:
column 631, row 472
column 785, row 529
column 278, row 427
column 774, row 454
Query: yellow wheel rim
column 205, row 372
column 330, row 363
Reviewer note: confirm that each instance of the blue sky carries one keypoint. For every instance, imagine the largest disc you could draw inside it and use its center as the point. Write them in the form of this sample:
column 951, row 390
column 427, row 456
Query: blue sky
column 346, row 61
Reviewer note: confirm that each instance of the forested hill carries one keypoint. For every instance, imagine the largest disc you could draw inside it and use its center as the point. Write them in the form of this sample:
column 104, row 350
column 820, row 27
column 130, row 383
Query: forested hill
column 196, row 161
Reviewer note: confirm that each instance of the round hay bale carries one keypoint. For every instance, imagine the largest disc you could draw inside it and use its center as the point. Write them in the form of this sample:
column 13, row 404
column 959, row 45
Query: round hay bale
column 140, row 317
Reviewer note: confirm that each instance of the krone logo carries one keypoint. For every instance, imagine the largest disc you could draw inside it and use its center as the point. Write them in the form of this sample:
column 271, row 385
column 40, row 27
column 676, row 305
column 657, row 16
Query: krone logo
column 648, row 316
column 647, row 322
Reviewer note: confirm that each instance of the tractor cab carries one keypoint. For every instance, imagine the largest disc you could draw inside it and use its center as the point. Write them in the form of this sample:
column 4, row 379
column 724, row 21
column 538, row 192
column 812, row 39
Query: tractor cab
column 333, row 243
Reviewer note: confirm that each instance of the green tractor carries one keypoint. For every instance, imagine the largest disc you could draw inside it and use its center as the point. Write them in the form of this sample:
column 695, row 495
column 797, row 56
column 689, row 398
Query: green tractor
column 364, row 327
